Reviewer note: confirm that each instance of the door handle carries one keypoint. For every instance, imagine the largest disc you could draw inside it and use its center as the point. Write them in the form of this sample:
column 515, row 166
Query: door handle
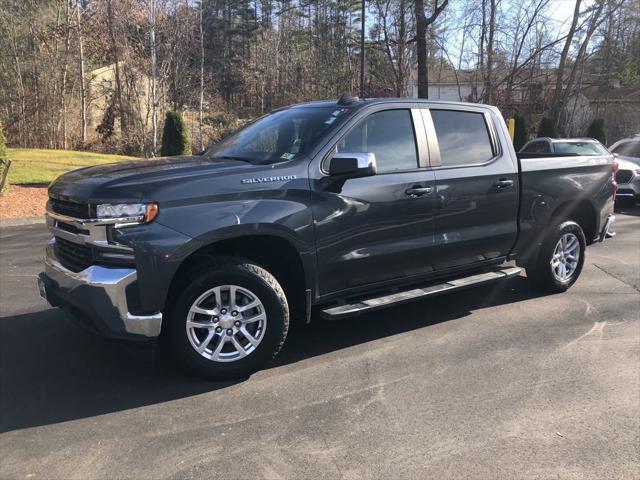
column 504, row 183
column 417, row 191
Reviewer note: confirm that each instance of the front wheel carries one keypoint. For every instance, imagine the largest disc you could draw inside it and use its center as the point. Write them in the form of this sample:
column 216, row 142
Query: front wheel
column 229, row 319
column 560, row 259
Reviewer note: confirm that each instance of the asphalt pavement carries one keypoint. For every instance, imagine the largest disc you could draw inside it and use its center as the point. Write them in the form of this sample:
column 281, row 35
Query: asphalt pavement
column 494, row 382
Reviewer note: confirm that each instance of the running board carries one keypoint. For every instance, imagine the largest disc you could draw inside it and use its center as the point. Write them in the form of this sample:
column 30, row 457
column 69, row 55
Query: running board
column 376, row 303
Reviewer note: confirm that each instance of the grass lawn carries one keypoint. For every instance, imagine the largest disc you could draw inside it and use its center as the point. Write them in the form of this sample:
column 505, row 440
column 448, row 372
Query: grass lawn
column 39, row 166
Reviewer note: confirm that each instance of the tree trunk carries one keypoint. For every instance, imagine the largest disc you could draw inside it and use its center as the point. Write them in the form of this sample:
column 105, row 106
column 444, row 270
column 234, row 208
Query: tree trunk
column 557, row 94
column 63, row 82
column 422, row 23
column 83, row 92
column 114, row 50
column 421, row 46
column 154, row 102
column 488, row 86
column 201, row 106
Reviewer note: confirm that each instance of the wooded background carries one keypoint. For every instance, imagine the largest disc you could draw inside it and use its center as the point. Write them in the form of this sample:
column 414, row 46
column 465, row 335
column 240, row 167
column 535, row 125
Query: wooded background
column 222, row 62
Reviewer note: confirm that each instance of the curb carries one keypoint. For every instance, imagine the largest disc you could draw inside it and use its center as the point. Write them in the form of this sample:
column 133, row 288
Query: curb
column 19, row 222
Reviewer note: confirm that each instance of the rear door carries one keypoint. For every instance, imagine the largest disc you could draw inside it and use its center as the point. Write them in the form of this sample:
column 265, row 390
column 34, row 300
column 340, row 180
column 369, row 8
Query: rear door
column 379, row 228
column 476, row 204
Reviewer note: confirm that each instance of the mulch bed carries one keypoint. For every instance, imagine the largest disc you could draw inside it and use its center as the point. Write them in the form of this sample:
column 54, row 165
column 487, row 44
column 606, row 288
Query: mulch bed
column 23, row 201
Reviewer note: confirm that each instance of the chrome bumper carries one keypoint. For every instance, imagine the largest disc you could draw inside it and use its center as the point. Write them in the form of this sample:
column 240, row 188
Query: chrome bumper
column 100, row 293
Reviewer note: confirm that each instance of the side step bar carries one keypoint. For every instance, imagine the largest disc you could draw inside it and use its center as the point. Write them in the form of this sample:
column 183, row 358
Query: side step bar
column 370, row 304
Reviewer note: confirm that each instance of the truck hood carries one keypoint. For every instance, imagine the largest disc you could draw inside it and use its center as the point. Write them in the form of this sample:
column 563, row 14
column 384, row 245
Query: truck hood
column 623, row 159
column 624, row 164
column 137, row 180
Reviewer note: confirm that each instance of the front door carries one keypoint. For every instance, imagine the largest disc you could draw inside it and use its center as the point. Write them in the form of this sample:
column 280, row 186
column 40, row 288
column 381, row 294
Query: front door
column 377, row 228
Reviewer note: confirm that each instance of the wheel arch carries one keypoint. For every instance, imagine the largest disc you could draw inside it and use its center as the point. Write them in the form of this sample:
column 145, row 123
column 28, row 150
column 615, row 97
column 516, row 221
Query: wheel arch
column 273, row 252
column 580, row 211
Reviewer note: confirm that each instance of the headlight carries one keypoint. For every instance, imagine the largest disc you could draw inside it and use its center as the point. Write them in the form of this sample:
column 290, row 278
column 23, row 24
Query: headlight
column 135, row 212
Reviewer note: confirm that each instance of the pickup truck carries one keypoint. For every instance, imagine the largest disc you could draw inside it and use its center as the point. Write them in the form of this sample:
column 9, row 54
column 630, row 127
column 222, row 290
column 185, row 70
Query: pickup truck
column 325, row 209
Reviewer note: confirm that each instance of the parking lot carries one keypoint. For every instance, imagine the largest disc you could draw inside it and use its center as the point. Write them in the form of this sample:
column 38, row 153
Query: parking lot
column 494, row 382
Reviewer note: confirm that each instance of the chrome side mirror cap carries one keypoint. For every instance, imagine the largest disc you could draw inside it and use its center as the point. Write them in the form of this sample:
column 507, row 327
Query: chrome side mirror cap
column 353, row 164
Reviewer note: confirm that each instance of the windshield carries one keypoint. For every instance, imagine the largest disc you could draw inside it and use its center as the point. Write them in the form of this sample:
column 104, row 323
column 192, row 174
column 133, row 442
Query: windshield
column 628, row 149
column 280, row 136
column 580, row 148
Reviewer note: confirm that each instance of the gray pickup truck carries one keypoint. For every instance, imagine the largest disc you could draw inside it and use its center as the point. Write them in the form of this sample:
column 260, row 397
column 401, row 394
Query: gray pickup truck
column 325, row 209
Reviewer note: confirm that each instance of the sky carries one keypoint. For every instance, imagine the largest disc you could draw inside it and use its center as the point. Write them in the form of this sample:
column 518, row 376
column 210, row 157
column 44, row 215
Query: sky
column 561, row 12
column 558, row 12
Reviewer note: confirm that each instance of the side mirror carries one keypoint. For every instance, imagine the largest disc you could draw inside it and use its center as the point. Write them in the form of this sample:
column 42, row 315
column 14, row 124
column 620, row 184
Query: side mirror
column 353, row 165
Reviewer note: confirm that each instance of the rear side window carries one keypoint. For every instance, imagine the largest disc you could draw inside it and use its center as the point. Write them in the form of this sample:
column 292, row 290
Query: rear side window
column 463, row 137
column 387, row 134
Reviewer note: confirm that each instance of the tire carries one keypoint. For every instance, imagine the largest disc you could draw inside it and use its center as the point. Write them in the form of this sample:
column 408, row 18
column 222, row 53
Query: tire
column 543, row 276
column 209, row 289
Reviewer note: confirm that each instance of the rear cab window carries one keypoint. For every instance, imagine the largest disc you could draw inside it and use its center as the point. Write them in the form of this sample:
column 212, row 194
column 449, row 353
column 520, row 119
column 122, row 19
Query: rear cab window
column 463, row 137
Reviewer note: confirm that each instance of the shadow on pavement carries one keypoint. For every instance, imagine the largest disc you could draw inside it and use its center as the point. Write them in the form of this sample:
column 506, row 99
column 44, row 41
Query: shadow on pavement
column 627, row 209
column 52, row 371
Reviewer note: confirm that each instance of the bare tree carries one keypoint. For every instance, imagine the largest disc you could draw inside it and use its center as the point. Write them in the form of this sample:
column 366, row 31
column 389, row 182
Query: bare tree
column 154, row 100
column 201, row 104
column 557, row 94
column 422, row 23
column 83, row 91
column 116, row 58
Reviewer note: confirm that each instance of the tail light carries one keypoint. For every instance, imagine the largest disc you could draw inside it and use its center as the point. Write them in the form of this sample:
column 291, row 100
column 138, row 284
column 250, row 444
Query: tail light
column 614, row 184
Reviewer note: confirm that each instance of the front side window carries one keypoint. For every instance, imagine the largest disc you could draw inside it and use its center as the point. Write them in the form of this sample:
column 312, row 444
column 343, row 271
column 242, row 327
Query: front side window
column 387, row 134
column 281, row 136
column 463, row 137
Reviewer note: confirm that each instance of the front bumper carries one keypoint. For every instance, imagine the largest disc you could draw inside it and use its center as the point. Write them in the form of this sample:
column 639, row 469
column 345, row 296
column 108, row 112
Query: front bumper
column 97, row 295
column 630, row 189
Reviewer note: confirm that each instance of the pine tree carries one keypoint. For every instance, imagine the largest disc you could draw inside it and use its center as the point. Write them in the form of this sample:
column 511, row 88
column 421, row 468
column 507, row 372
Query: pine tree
column 547, row 128
column 175, row 137
column 520, row 136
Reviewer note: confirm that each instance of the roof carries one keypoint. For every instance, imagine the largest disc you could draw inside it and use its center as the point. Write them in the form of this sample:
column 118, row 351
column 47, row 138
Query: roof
column 574, row 140
column 608, row 94
column 359, row 103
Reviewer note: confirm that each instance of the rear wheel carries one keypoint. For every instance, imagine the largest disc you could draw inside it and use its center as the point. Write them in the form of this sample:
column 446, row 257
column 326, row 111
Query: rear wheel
column 560, row 259
column 228, row 320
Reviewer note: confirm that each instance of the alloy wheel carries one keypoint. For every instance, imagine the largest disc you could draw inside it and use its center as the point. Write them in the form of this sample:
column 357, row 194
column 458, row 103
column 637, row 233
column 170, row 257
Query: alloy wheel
column 226, row 323
column 566, row 256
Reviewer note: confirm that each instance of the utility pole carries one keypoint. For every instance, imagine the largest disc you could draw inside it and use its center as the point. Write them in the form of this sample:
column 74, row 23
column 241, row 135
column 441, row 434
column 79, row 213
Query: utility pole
column 362, row 27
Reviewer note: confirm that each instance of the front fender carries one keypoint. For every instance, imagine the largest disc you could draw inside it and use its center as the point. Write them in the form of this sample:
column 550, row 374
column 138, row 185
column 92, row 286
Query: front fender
column 283, row 214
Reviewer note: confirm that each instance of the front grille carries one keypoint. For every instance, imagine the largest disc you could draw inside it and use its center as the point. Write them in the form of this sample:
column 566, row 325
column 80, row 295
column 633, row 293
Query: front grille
column 71, row 209
column 74, row 256
column 624, row 176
